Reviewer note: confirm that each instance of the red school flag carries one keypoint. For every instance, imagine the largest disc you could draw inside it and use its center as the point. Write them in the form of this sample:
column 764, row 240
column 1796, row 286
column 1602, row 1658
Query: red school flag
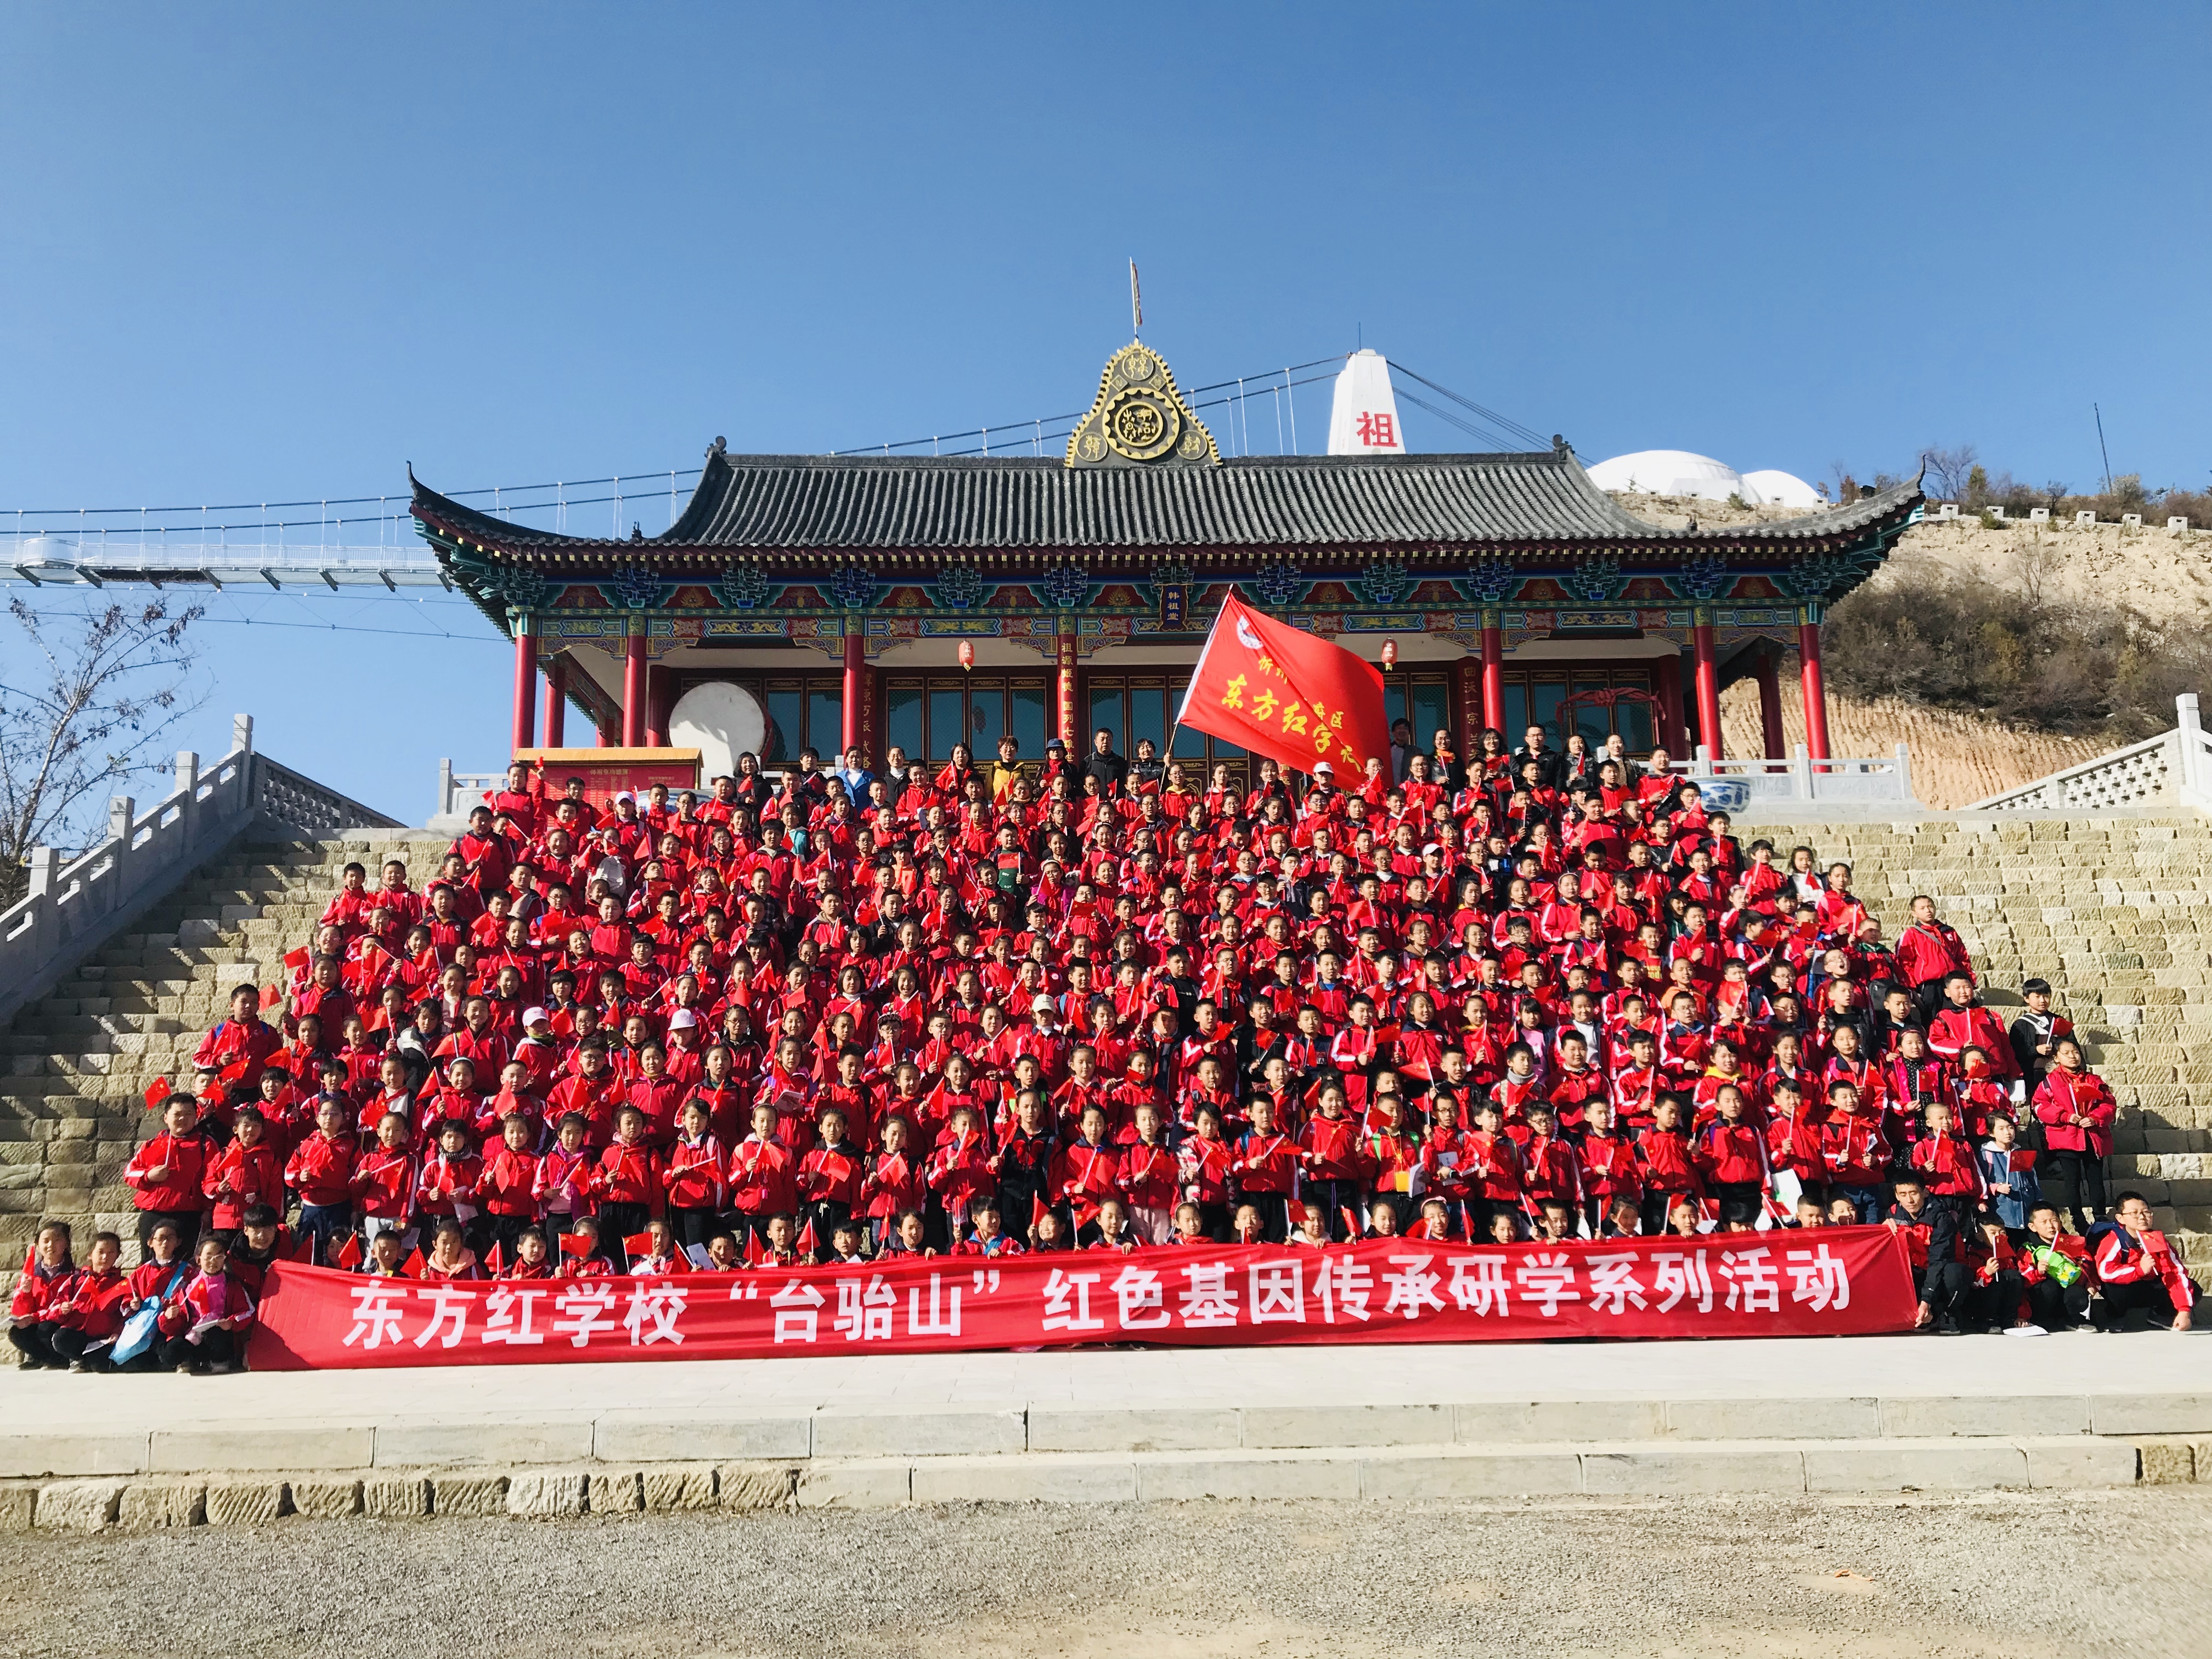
column 1288, row 695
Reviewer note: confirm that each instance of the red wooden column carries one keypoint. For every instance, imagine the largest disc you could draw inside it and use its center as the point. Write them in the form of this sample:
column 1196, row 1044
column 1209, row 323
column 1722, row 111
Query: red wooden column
column 659, row 697
column 556, row 703
column 1493, row 678
column 1816, row 690
column 857, row 720
column 526, row 680
column 1666, row 689
column 1708, row 682
column 1069, row 662
column 1770, row 706
column 633, row 666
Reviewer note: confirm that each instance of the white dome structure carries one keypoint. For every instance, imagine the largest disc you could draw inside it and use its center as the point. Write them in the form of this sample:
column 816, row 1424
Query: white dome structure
column 1778, row 489
column 722, row 721
column 1669, row 473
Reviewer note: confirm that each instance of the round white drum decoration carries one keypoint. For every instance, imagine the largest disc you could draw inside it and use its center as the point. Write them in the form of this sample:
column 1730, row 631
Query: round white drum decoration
column 722, row 721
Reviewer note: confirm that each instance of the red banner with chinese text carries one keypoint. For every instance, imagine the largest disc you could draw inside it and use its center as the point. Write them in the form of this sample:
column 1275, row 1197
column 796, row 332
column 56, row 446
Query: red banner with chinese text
column 1843, row 1281
column 1288, row 695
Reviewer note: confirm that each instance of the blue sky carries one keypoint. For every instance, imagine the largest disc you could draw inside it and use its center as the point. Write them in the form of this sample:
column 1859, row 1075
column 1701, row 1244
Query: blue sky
column 257, row 252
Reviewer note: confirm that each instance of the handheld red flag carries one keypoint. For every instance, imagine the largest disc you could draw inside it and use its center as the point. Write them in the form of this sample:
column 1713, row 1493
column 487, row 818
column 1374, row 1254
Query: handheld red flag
column 306, row 1254
column 808, row 1244
column 1036, row 1208
column 349, row 1252
column 295, row 960
column 1286, row 694
column 414, row 1265
column 576, row 1244
column 1351, row 1220
column 2023, row 1159
column 637, row 1245
column 270, row 996
column 495, row 1260
column 1295, row 1211
column 157, row 1091
column 754, row 1254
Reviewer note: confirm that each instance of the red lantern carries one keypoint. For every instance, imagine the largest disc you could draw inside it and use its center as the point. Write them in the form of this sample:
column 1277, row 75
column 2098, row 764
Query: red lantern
column 1390, row 655
column 966, row 654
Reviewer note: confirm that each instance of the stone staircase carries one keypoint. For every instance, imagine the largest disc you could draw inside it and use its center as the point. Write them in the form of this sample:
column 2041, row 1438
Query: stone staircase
column 2116, row 912
column 77, row 1063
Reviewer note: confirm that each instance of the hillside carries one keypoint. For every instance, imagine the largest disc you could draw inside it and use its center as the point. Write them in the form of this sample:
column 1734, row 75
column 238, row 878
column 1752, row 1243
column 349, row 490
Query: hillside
column 1958, row 757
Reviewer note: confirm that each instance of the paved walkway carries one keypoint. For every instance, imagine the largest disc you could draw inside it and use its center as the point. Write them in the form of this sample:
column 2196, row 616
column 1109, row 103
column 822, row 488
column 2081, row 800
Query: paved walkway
column 2074, row 1367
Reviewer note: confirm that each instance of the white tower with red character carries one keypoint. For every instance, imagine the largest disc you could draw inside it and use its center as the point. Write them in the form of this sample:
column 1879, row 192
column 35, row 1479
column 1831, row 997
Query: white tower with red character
column 1363, row 418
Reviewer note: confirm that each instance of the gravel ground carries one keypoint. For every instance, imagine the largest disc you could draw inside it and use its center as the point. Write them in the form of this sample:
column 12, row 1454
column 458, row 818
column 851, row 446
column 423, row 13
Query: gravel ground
column 2016, row 1575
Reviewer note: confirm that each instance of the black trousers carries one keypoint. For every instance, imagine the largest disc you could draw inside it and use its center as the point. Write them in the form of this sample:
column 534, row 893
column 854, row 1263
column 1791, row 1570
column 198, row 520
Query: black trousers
column 215, row 1348
column 2058, row 1307
column 186, row 1222
column 2148, row 1297
column 1942, row 1284
column 616, row 1223
column 36, row 1343
column 1335, row 1197
column 694, row 1226
column 1739, row 1201
column 1995, row 1304
column 2077, row 1179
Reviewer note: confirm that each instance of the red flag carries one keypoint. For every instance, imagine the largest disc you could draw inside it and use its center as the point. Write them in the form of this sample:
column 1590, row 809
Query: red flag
column 754, row 1254
column 412, row 1268
column 2022, row 1160
column 1036, row 1208
column 306, row 1254
column 1295, row 1211
column 494, row 1260
column 808, row 1244
column 576, row 1244
column 1286, row 694
column 157, row 1091
column 1351, row 1220
column 349, row 1252
column 638, row 1244
column 270, row 996
column 295, row 960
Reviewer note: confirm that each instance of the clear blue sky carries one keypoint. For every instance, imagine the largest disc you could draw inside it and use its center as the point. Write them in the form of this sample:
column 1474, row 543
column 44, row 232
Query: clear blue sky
column 258, row 251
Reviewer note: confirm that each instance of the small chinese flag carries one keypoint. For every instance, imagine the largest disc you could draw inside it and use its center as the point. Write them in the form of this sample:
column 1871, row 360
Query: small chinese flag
column 808, row 1245
column 753, row 1254
column 1036, row 1208
column 1296, row 1211
column 1351, row 1220
column 576, row 1244
column 495, row 1260
column 306, row 1254
column 349, row 1254
column 157, row 1091
column 1286, row 694
column 234, row 1072
column 2023, row 1160
column 412, row 1268
column 638, row 1244
column 296, row 960
column 270, row 996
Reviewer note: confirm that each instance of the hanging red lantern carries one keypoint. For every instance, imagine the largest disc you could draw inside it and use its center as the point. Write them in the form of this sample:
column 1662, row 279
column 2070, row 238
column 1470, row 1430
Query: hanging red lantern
column 966, row 654
column 1390, row 655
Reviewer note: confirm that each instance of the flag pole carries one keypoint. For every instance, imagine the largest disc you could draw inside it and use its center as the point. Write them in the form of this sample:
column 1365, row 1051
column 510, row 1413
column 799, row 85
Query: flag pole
column 1136, row 302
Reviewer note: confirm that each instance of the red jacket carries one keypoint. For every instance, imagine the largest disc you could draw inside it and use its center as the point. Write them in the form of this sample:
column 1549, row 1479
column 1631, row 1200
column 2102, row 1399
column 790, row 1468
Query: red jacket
column 627, row 1175
column 763, row 1178
column 693, row 1172
column 240, row 1175
column 2064, row 1095
column 2122, row 1258
column 1729, row 1153
column 1610, row 1170
column 183, row 1187
column 1953, row 1029
column 509, row 1185
column 321, row 1169
column 1666, row 1163
column 1950, row 1166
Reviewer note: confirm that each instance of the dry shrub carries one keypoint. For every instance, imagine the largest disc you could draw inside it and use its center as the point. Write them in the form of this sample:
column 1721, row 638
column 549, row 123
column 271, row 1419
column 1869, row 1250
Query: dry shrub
column 2001, row 648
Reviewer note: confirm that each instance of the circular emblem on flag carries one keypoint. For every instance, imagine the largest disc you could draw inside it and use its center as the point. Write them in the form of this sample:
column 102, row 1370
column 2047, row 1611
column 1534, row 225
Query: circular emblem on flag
column 1245, row 636
column 1141, row 425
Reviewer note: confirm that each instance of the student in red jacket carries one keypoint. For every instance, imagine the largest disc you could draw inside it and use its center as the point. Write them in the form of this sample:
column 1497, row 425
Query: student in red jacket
column 693, row 1172
column 2138, row 1269
column 625, row 1186
column 2076, row 1108
column 1962, row 1021
column 243, row 1174
column 508, row 1187
column 95, row 1302
column 1611, row 1176
column 204, row 1325
column 829, row 1176
column 764, row 1176
column 1948, row 1165
column 1669, row 1176
column 1332, row 1174
column 168, row 1176
column 35, row 1315
column 1730, row 1158
column 2055, row 1265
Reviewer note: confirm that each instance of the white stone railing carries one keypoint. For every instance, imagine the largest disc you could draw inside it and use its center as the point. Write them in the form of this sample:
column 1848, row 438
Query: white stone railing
column 459, row 793
column 1733, row 784
column 2175, row 768
column 73, row 908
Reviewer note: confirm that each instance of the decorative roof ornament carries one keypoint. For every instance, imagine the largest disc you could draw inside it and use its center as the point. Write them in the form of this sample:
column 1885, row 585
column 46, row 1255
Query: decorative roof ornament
column 960, row 586
column 1066, row 586
column 637, row 586
column 1279, row 585
column 1384, row 583
column 744, row 586
column 1491, row 580
column 1140, row 419
column 1703, row 576
column 1816, row 577
column 853, row 588
column 1595, row 579
column 523, row 588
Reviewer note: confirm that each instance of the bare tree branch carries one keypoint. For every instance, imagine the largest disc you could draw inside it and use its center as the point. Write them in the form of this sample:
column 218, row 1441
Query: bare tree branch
column 97, row 697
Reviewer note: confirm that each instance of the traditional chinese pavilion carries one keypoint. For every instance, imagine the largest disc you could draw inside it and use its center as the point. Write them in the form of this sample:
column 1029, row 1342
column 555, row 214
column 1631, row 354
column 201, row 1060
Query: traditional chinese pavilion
column 826, row 599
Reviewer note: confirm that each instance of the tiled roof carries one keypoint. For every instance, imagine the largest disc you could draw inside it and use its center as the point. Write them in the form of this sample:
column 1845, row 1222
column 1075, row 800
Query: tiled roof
column 773, row 502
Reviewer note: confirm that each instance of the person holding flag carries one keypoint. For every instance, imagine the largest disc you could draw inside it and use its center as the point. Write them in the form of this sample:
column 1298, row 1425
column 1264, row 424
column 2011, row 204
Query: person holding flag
column 1286, row 695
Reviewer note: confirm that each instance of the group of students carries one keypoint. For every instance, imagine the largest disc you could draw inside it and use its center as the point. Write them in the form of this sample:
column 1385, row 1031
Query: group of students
column 971, row 1009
